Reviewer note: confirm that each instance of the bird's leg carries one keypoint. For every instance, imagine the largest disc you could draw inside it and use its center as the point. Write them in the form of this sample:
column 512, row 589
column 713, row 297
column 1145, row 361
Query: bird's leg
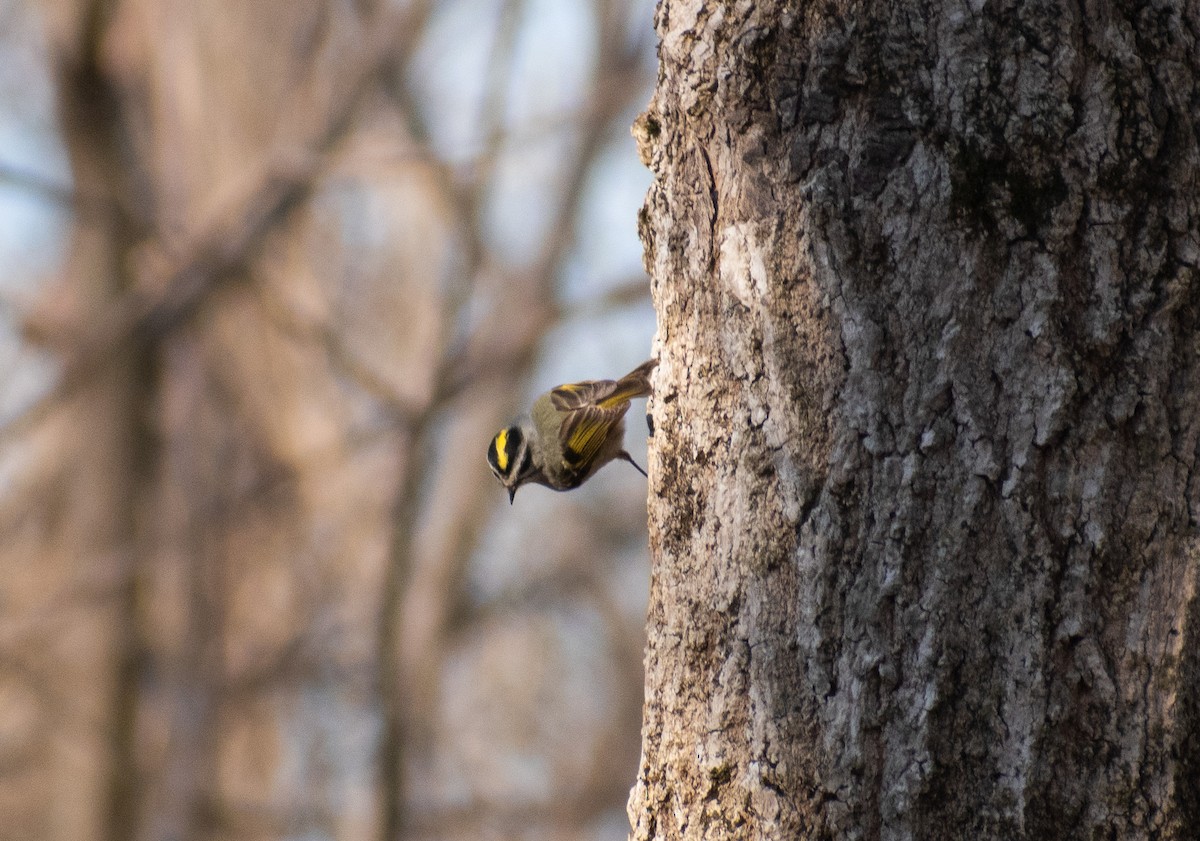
column 629, row 459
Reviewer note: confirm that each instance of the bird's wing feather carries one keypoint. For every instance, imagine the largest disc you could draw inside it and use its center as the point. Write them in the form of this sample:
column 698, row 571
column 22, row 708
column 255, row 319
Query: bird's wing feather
column 585, row 430
column 577, row 395
column 593, row 408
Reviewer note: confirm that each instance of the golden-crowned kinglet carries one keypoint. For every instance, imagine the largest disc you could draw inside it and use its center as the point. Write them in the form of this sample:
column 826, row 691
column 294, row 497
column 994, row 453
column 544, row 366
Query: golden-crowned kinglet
column 570, row 433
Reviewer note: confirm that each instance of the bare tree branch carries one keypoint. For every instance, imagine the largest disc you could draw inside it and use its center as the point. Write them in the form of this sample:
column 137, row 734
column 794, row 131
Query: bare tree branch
column 45, row 188
column 212, row 255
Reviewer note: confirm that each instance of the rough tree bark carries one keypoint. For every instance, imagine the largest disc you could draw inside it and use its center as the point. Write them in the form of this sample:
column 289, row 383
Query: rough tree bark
column 923, row 475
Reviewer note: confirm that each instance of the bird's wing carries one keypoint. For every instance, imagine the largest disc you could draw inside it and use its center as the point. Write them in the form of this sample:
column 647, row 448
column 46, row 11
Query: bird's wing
column 578, row 395
column 593, row 408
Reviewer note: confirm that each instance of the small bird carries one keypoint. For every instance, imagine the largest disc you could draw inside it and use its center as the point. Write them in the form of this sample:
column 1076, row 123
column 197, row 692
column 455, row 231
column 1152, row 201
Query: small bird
column 570, row 433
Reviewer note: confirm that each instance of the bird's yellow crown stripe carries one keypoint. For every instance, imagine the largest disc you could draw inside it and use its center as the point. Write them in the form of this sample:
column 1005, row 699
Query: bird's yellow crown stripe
column 502, row 449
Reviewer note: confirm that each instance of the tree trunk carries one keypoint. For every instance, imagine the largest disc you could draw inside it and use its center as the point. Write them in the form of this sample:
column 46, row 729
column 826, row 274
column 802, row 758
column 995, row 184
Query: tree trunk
column 923, row 503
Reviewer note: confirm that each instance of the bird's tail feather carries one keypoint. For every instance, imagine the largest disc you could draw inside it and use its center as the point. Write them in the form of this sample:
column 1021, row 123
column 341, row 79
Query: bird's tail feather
column 634, row 384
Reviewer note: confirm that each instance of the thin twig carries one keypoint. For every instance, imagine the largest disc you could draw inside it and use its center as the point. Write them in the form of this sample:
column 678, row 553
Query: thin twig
column 46, row 188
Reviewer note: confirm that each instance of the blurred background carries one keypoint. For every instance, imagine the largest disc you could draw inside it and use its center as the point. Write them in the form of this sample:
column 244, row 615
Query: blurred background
column 273, row 273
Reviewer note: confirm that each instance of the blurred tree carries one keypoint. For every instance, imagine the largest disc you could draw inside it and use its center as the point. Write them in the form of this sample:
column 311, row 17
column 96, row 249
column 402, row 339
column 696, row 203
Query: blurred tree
column 924, row 497
column 237, row 531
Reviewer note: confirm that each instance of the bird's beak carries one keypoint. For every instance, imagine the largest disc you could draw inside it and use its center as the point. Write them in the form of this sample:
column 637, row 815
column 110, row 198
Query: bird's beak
column 511, row 493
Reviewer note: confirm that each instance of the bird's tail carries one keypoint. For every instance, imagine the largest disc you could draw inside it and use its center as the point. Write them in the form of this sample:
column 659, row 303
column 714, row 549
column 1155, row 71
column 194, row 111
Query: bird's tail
column 634, row 384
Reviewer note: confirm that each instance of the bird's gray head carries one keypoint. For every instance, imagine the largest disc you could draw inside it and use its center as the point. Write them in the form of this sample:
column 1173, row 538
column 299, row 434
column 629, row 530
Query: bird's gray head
column 511, row 460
